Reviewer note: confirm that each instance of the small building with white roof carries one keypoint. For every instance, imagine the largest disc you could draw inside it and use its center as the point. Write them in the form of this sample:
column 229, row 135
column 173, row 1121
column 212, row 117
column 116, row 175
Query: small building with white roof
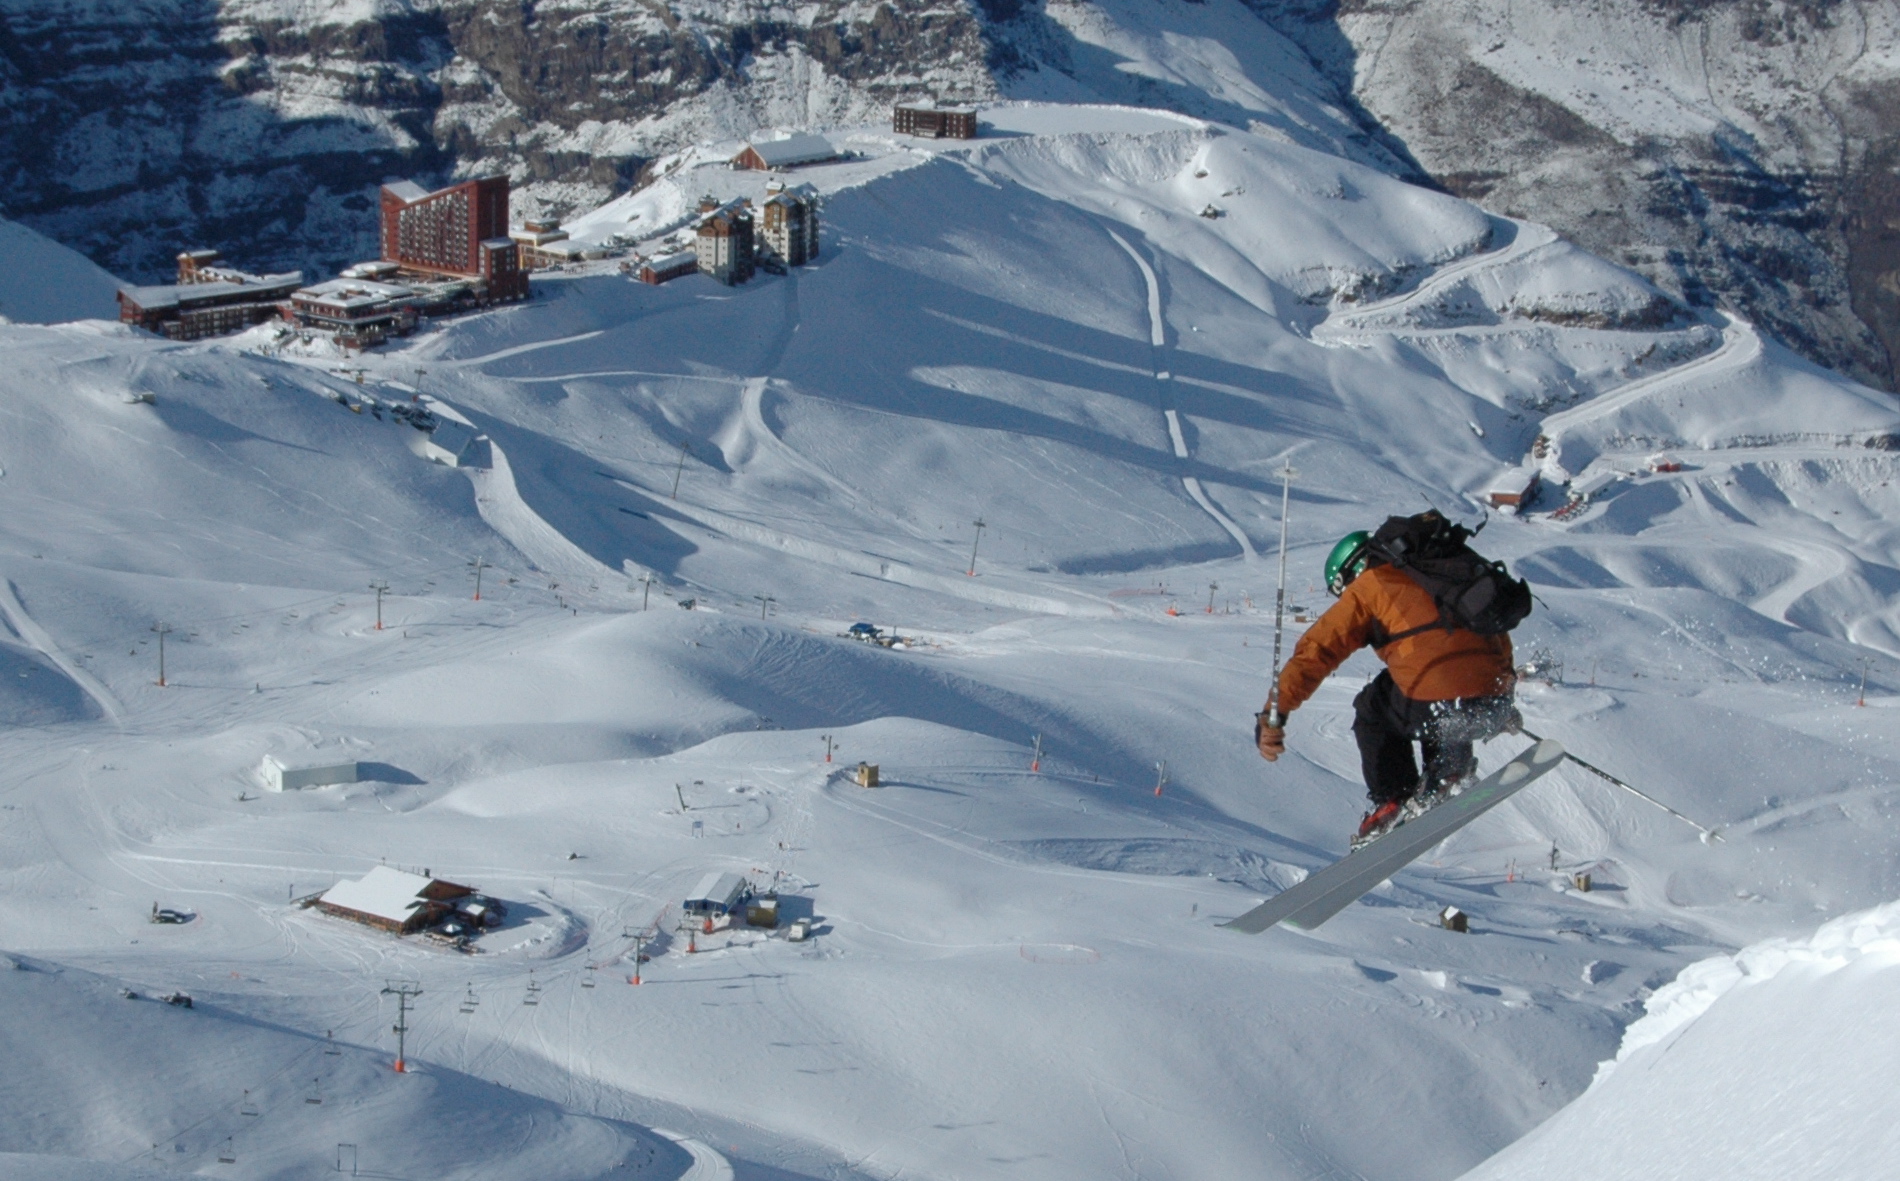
column 717, row 894
column 1512, row 488
column 790, row 152
column 283, row 773
column 453, row 444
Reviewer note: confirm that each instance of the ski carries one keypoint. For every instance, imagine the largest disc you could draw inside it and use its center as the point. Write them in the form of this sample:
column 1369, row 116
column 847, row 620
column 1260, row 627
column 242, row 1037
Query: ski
column 1345, row 881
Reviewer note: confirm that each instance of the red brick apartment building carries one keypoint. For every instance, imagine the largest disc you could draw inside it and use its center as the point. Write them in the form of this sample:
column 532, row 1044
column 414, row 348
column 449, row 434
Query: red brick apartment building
column 460, row 231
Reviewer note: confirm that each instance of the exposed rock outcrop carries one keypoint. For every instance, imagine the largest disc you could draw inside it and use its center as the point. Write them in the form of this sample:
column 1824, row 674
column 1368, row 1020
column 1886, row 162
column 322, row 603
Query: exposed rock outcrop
column 1739, row 152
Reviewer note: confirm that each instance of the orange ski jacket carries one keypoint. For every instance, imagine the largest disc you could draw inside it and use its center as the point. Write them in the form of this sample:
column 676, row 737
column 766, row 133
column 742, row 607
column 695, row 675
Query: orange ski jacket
column 1435, row 665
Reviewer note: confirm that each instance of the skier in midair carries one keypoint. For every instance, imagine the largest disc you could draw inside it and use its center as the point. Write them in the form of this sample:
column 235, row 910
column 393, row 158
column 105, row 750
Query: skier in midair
column 1407, row 592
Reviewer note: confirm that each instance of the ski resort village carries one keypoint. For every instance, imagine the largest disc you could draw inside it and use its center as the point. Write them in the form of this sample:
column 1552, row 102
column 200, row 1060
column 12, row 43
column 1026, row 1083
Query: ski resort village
column 1067, row 630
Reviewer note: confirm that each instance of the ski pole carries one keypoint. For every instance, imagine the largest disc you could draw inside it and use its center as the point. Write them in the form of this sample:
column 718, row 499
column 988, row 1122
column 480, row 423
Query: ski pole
column 1708, row 834
column 1273, row 718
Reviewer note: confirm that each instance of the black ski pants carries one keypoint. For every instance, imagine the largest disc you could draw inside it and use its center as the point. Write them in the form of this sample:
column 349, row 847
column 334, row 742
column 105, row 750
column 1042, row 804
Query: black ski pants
column 1386, row 722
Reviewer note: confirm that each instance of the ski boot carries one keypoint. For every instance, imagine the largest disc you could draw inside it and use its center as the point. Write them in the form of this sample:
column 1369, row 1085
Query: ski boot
column 1381, row 820
column 1427, row 798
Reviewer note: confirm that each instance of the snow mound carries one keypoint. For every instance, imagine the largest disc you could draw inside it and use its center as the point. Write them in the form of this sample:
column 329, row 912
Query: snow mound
column 1775, row 1062
column 1314, row 223
column 34, row 693
column 45, row 283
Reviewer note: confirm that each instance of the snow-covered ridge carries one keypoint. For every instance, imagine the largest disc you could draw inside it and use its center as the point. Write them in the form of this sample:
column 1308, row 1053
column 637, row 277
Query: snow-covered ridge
column 1872, row 935
column 44, row 282
column 1772, row 1062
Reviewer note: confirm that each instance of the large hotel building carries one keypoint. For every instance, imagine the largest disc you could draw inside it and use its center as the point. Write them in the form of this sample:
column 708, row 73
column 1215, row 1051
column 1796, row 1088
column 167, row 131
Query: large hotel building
column 460, row 231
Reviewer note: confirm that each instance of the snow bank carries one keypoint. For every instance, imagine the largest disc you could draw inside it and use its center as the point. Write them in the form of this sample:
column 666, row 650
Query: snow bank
column 1778, row 1061
column 45, row 283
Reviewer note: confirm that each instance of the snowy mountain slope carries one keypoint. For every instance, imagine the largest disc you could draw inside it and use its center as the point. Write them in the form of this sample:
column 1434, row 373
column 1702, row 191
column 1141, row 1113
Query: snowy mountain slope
column 1015, row 972
column 92, row 1071
column 1735, row 153
column 1216, row 60
column 263, row 127
column 46, row 282
column 41, row 1167
column 1769, row 1062
column 281, row 462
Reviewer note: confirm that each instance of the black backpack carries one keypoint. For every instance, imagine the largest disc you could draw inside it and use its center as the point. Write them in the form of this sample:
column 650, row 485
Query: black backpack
column 1472, row 593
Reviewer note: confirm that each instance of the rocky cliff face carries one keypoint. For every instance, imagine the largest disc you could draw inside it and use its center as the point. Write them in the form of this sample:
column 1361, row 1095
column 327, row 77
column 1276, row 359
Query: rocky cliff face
column 1735, row 151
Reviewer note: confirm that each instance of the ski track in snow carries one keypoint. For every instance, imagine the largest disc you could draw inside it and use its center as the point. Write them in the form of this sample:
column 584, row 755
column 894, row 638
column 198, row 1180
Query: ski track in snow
column 517, row 351
column 1158, row 340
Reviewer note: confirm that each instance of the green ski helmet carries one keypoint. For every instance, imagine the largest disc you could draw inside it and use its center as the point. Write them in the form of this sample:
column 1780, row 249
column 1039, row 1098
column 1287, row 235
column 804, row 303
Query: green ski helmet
column 1347, row 561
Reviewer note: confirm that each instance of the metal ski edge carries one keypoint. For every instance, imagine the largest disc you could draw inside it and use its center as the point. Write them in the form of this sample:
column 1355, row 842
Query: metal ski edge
column 1331, row 889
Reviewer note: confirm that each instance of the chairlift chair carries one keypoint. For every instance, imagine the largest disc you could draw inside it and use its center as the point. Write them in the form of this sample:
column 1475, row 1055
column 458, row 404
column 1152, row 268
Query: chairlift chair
column 587, row 981
column 470, row 1001
column 227, row 1155
column 246, row 1107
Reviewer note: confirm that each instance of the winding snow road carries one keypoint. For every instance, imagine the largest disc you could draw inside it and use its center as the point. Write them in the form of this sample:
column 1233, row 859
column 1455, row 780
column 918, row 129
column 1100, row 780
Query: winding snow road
column 1158, row 339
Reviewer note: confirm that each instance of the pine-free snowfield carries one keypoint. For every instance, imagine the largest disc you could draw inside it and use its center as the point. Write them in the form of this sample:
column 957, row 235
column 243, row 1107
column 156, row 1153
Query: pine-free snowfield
column 1013, row 974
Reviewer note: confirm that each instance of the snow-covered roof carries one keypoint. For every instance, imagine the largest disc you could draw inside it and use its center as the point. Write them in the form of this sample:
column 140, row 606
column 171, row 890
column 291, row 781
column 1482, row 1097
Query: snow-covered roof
column 1515, row 479
column 721, row 889
column 352, row 293
column 794, row 149
column 678, row 258
column 383, row 892
column 498, row 243
column 1592, row 483
column 166, row 295
column 408, row 190
column 452, row 436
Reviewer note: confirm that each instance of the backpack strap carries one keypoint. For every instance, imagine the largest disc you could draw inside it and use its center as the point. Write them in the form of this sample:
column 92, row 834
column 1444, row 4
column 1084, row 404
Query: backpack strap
column 1442, row 621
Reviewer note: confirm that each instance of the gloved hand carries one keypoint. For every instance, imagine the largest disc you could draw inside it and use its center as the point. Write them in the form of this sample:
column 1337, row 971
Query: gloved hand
column 1270, row 738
